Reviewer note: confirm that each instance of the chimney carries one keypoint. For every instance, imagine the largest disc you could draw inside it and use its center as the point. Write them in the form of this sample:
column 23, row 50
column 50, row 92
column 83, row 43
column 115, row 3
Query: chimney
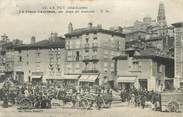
column 53, row 37
column 70, row 27
column 4, row 38
column 33, row 40
column 90, row 25
column 99, row 26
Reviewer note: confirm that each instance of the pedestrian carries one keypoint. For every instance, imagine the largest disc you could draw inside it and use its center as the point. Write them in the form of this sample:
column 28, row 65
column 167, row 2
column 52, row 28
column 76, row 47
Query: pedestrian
column 142, row 99
column 5, row 100
column 99, row 101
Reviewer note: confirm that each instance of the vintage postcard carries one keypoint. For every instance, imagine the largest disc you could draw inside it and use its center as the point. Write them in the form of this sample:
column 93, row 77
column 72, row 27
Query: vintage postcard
column 91, row 58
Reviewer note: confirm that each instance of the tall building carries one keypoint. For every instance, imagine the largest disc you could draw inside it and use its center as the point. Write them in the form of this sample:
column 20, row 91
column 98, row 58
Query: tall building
column 3, row 41
column 178, row 55
column 89, row 53
column 161, row 18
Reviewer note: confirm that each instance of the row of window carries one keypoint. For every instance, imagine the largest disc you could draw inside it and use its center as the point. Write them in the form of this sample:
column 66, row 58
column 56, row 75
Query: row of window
column 136, row 66
column 78, row 45
column 94, row 34
column 91, row 66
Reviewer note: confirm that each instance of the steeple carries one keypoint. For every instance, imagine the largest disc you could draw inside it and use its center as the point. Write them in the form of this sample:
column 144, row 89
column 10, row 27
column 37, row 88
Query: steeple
column 70, row 27
column 161, row 19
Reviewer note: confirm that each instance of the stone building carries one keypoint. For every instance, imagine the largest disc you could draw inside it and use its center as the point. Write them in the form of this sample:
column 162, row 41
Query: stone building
column 144, row 69
column 5, row 43
column 154, row 33
column 40, row 61
column 178, row 82
column 89, row 53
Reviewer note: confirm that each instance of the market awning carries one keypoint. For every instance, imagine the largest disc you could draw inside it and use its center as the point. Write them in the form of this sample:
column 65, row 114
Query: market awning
column 71, row 77
column 35, row 77
column 88, row 78
column 1, row 74
column 126, row 79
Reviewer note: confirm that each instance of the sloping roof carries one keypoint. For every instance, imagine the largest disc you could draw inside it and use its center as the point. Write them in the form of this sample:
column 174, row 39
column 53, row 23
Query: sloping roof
column 147, row 54
column 153, row 54
column 81, row 31
column 43, row 44
column 179, row 24
column 138, row 31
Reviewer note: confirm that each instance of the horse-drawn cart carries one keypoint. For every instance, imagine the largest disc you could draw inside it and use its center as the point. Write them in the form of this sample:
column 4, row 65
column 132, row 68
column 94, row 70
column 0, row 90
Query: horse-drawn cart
column 33, row 102
column 172, row 101
column 103, row 100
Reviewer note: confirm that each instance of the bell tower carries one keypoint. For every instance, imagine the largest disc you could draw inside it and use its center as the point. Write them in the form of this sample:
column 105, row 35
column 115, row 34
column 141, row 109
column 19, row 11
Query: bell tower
column 161, row 18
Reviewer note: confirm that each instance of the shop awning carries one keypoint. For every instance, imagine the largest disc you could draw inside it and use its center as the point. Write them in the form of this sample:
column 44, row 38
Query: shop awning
column 126, row 79
column 36, row 77
column 88, row 78
column 71, row 77
column 1, row 74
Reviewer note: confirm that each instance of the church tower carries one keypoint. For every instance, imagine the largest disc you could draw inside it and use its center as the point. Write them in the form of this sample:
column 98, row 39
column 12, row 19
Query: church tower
column 70, row 27
column 161, row 19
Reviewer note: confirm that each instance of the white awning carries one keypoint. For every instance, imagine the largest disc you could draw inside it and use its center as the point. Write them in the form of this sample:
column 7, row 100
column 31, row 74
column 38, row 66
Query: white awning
column 35, row 77
column 126, row 79
column 2, row 73
column 71, row 77
column 88, row 78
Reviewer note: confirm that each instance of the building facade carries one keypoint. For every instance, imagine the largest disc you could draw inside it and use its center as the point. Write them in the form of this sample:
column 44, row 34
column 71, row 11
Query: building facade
column 89, row 53
column 144, row 71
column 178, row 81
column 5, row 67
column 40, row 61
column 4, row 40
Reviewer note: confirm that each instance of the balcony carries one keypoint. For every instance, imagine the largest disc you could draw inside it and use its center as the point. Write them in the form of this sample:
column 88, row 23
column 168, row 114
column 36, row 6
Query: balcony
column 90, row 59
column 90, row 71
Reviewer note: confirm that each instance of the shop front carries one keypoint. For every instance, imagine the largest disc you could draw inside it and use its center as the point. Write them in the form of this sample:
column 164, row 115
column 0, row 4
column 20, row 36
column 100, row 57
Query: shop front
column 88, row 80
column 70, row 80
column 126, row 82
column 36, row 77
column 143, row 84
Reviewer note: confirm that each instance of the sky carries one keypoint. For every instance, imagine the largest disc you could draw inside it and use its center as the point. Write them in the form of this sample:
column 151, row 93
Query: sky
column 117, row 13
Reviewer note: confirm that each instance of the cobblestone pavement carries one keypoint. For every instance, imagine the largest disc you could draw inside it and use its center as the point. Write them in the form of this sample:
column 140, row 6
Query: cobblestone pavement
column 117, row 110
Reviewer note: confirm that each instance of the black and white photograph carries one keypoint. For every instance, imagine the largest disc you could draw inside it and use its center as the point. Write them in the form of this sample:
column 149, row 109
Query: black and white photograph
column 91, row 58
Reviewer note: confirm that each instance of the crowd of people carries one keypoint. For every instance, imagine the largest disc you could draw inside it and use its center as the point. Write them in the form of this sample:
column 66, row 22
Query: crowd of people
column 41, row 95
column 139, row 97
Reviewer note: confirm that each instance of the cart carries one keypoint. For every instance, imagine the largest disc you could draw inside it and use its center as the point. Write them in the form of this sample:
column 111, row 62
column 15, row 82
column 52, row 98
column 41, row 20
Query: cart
column 171, row 101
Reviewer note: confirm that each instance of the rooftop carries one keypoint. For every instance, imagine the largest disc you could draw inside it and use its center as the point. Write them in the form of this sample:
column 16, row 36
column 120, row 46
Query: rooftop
column 152, row 53
column 44, row 44
column 178, row 24
column 138, row 31
column 147, row 53
column 81, row 31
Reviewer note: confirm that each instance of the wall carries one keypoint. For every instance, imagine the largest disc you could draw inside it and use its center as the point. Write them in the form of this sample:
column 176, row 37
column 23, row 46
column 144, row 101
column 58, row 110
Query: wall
column 32, row 62
column 147, row 68
column 106, row 49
